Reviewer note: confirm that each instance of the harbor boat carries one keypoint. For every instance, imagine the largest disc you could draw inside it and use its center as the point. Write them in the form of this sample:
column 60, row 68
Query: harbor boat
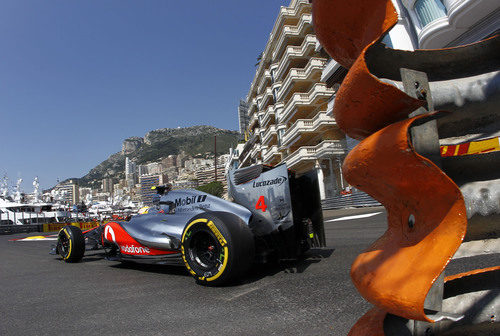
column 15, row 213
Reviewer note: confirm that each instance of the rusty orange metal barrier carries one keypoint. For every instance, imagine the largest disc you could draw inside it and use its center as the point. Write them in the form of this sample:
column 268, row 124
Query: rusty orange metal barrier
column 386, row 274
column 398, row 163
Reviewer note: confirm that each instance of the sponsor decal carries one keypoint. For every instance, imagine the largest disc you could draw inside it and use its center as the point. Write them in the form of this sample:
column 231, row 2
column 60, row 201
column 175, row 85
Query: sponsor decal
column 134, row 249
column 49, row 227
column 217, row 233
column 190, row 200
column 192, row 208
column 274, row 182
column 109, row 234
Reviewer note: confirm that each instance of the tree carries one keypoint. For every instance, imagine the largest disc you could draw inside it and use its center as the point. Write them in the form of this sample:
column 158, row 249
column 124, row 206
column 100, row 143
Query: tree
column 212, row 188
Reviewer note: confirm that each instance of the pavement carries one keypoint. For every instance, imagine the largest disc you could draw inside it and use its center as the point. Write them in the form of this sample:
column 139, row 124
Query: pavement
column 42, row 295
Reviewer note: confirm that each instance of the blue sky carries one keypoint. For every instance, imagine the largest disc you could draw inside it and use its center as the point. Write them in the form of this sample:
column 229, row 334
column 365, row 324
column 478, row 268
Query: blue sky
column 78, row 77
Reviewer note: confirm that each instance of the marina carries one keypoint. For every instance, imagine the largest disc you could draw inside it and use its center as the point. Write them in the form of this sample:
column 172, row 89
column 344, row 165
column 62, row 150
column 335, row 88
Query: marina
column 20, row 212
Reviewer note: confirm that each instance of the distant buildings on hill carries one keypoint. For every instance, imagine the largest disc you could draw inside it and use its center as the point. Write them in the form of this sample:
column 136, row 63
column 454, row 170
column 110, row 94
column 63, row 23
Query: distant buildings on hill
column 182, row 171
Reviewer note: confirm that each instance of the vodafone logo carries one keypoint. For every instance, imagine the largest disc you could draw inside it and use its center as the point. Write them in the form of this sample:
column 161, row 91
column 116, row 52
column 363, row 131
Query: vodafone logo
column 109, row 234
column 134, row 249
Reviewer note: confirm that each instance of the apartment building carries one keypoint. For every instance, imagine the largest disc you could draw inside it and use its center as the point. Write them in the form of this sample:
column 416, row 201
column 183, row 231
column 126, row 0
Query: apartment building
column 148, row 181
column 287, row 104
column 69, row 191
column 206, row 176
column 130, row 172
column 184, row 184
column 243, row 117
column 292, row 96
column 107, row 185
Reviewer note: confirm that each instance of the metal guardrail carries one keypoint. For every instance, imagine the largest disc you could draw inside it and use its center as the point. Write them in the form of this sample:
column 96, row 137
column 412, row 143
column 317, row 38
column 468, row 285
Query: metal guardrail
column 356, row 199
column 12, row 229
column 46, row 227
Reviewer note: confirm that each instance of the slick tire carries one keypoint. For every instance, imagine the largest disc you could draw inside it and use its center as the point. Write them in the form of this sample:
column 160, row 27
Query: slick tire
column 217, row 248
column 71, row 244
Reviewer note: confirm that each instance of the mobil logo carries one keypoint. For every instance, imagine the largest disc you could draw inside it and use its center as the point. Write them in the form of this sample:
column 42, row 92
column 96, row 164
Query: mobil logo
column 183, row 201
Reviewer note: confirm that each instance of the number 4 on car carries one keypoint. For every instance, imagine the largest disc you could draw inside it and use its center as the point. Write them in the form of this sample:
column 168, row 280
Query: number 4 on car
column 261, row 204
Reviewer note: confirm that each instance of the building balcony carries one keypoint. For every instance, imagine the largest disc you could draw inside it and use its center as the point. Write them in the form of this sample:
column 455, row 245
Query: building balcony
column 260, row 115
column 252, row 106
column 292, row 53
column 287, row 16
column 317, row 95
column 255, row 152
column 313, row 126
column 291, row 35
column 333, row 73
column 257, row 134
column 245, row 154
column 269, row 115
column 326, row 148
column 330, row 105
column 267, row 98
column 245, row 160
column 265, row 80
column 270, row 135
column 253, row 121
column 310, row 74
column 272, row 155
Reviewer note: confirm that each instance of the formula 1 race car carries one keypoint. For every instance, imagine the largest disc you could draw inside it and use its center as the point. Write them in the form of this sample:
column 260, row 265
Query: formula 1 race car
column 274, row 216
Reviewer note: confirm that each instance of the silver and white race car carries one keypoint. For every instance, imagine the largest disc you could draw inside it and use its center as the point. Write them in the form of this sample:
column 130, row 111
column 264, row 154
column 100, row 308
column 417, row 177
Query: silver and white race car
column 274, row 215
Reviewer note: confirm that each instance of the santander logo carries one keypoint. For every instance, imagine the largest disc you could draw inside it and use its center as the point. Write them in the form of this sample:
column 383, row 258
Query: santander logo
column 135, row 249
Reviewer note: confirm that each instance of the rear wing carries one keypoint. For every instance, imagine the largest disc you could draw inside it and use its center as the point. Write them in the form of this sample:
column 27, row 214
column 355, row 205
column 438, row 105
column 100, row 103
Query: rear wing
column 306, row 203
column 278, row 200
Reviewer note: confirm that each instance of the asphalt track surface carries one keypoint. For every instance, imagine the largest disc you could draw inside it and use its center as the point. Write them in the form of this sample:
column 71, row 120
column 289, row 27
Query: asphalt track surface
column 41, row 295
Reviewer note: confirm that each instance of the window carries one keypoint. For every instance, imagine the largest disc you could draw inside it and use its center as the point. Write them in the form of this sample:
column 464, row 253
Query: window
column 387, row 41
column 429, row 10
column 281, row 132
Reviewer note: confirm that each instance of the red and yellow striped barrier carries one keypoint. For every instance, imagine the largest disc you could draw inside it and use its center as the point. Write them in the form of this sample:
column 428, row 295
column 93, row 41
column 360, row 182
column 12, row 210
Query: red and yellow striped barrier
column 50, row 227
column 473, row 147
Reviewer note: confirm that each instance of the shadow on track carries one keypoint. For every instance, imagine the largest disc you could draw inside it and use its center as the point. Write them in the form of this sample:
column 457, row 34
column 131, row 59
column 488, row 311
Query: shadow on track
column 153, row 268
column 261, row 271
column 256, row 273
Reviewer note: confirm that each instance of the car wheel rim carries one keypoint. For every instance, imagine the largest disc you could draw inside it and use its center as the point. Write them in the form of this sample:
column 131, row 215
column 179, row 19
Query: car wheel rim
column 205, row 250
column 64, row 245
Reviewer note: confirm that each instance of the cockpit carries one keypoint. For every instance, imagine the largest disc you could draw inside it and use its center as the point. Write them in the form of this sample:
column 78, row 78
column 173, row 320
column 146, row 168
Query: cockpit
column 163, row 206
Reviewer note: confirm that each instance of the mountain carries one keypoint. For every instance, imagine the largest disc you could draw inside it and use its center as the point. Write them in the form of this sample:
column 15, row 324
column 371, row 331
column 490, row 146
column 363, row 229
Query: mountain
column 158, row 144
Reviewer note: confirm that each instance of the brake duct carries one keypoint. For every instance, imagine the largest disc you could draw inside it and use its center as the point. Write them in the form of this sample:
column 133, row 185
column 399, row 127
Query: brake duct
column 398, row 162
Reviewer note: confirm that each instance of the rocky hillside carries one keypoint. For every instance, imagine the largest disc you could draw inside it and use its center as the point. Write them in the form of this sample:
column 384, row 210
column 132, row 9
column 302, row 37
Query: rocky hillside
column 158, row 144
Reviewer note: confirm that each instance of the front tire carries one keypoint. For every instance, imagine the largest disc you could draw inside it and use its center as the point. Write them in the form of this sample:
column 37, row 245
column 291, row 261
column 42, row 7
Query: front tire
column 71, row 244
column 217, row 248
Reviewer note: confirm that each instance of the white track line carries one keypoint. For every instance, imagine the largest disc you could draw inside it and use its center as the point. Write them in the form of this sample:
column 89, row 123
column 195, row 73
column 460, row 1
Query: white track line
column 354, row 217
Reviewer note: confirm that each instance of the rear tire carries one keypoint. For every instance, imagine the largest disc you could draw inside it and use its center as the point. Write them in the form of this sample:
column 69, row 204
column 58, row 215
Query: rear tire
column 217, row 248
column 71, row 244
